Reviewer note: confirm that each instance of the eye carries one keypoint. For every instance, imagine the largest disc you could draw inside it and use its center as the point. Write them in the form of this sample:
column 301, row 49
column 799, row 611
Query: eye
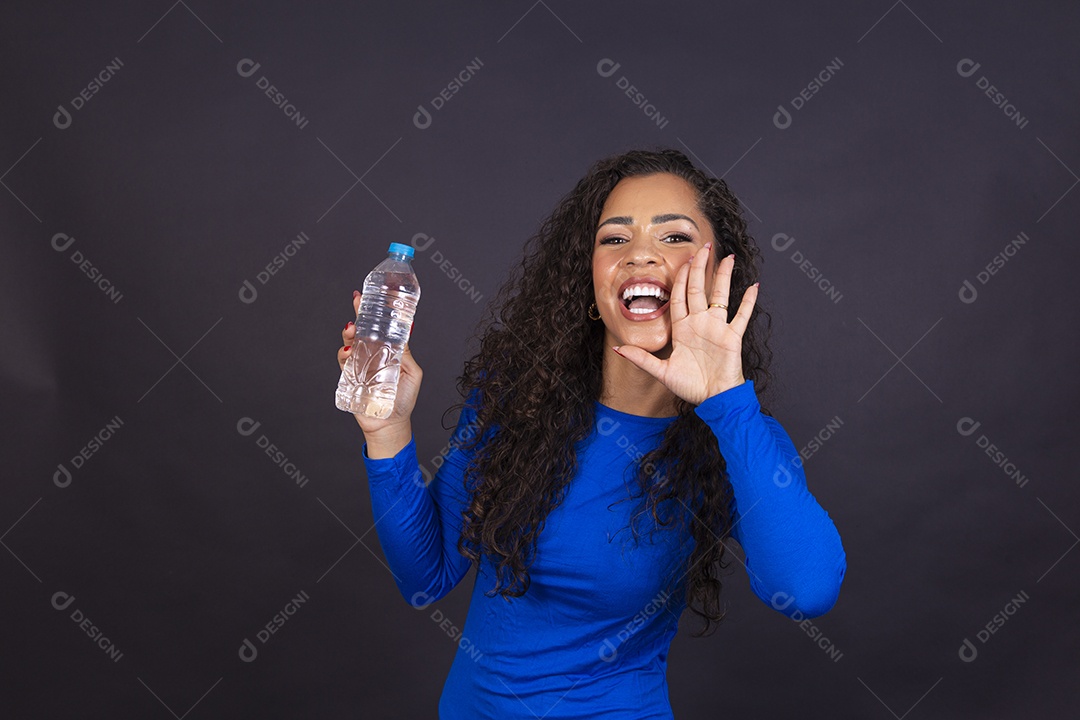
column 675, row 237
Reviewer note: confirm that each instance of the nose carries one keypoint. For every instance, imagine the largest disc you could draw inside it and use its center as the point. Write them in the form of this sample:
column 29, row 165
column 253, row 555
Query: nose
column 641, row 251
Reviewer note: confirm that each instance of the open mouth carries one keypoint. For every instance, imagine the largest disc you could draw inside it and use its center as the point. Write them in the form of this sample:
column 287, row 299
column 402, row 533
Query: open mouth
column 644, row 298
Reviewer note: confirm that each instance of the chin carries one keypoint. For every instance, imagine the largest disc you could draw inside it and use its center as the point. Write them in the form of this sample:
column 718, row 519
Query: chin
column 657, row 344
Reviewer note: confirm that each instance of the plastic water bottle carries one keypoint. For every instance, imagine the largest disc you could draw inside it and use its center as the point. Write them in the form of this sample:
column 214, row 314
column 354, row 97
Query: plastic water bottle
column 369, row 380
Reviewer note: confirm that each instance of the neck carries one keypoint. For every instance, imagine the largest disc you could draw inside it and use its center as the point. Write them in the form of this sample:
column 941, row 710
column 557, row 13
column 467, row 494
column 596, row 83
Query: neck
column 627, row 388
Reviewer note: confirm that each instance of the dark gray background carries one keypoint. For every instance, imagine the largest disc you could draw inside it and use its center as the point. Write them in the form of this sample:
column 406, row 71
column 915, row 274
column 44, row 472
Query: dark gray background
column 180, row 179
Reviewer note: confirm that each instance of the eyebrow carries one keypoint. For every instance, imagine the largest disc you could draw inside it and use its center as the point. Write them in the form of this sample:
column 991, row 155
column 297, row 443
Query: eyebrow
column 657, row 219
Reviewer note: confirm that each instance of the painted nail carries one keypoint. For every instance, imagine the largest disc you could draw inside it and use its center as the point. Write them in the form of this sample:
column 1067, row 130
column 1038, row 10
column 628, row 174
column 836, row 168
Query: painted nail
column 356, row 293
column 347, row 325
column 731, row 255
column 348, row 348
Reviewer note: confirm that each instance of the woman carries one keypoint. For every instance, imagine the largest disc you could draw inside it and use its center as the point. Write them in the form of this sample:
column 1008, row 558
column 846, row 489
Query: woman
column 610, row 439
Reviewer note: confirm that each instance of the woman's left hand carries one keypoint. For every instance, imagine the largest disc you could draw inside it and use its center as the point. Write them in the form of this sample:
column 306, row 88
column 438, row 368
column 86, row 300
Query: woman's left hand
column 706, row 349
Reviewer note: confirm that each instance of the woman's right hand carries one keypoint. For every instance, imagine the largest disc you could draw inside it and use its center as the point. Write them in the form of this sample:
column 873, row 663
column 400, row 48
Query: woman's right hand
column 400, row 420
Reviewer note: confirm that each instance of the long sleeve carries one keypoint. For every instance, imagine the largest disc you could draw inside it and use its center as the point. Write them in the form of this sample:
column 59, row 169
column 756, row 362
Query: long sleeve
column 419, row 525
column 794, row 556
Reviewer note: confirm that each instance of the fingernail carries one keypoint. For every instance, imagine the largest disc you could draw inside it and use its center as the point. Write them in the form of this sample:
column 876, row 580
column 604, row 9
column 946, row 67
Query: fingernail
column 355, row 293
column 347, row 325
column 348, row 348
column 756, row 284
column 616, row 349
column 708, row 245
column 731, row 255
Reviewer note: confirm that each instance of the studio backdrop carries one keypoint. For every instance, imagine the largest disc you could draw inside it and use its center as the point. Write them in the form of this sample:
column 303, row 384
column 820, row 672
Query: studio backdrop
column 192, row 191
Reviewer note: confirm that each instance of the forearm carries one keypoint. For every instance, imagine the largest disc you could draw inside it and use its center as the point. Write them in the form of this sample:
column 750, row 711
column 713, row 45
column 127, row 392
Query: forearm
column 389, row 441
column 794, row 556
column 417, row 523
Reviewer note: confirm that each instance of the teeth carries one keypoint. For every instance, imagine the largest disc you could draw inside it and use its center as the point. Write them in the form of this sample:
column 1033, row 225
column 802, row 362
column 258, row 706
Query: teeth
column 644, row 290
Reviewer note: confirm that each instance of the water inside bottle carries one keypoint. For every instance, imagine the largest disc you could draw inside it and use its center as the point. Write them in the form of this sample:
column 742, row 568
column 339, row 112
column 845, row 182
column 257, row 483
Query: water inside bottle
column 369, row 379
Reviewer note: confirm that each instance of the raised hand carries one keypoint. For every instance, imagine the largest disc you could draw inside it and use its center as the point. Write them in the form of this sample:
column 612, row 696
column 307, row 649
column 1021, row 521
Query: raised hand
column 706, row 354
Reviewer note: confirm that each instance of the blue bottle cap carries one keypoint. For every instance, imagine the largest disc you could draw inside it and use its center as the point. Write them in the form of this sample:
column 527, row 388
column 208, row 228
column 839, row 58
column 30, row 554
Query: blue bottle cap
column 401, row 249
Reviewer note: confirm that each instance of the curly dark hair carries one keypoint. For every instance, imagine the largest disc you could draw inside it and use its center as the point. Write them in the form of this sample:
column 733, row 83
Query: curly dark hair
column 538, row 372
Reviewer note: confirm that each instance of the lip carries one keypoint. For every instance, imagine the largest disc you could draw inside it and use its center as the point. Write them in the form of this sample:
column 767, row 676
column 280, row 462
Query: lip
column 643, row 280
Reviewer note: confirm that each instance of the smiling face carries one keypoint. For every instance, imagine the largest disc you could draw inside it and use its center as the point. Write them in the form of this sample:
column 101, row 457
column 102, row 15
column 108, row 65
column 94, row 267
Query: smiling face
column 649, row 227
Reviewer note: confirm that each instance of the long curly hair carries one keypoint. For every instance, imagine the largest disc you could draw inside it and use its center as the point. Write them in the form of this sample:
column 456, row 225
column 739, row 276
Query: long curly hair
column 538, row 370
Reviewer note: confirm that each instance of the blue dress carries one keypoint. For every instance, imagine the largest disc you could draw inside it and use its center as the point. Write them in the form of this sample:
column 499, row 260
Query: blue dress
column 590, row 637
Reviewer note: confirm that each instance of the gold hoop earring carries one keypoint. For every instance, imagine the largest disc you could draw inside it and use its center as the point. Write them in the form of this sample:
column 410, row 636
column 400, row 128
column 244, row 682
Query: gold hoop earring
column 591, row 309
